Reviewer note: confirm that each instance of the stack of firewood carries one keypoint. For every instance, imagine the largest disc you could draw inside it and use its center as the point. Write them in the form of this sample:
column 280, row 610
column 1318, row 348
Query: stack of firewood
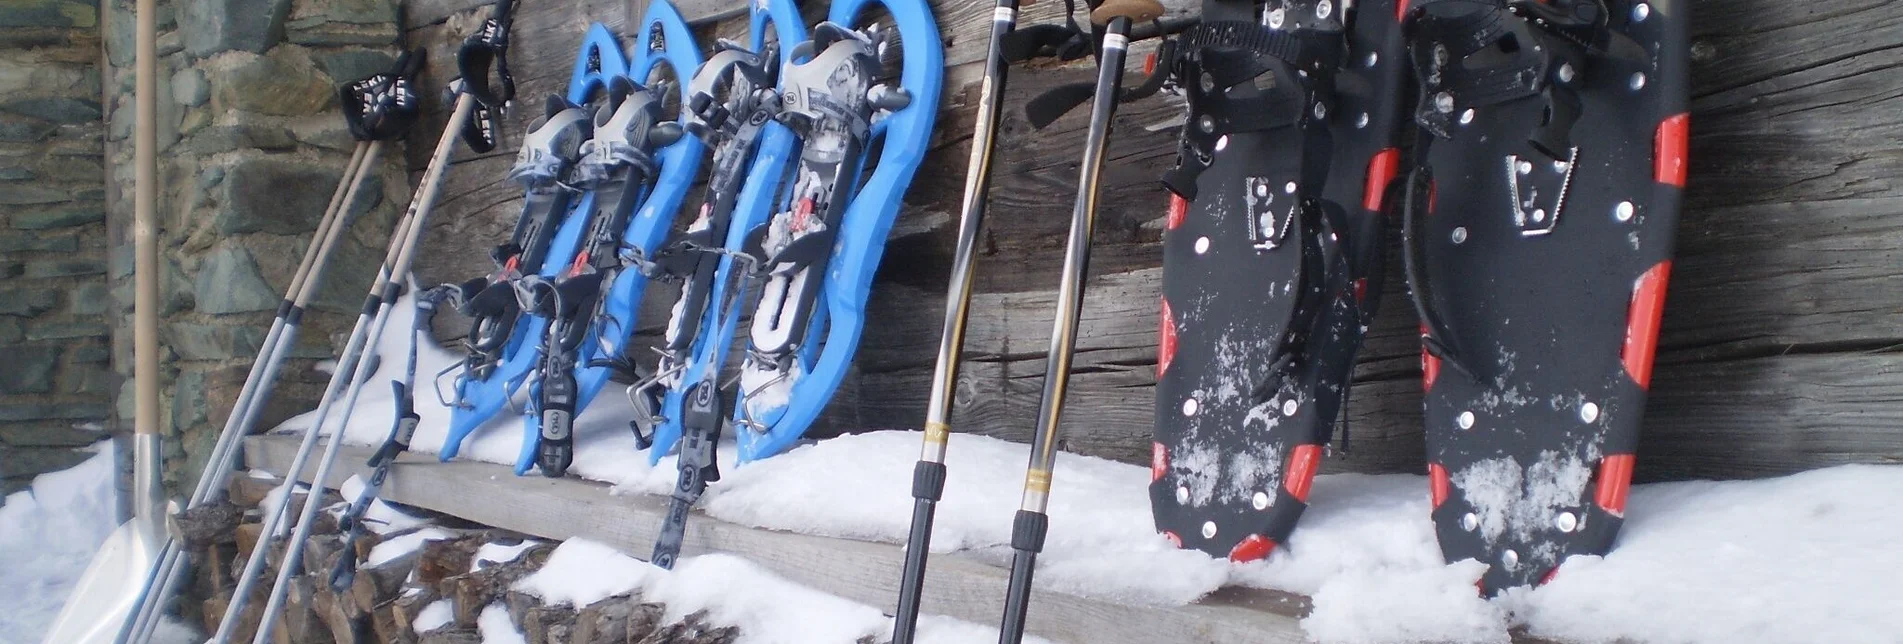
column 383, row 603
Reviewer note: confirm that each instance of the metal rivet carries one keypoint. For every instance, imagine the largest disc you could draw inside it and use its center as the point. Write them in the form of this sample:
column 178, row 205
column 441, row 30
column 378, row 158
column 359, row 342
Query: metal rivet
column 1323, row 8
column 1460, row 234
column 1562, row 166
column 1276, row 17
column 1465, row 420
column 1444, row 103
column 1469, row 522
column 1262, row 190
column 1638, row 80
column 1208, row 82
column 1566, row 73
column 1321, row 111
column 1209, row 529
column 1361, row 121
column 1261, row 501
column 1202, row 245
column 1623, row 212
column 1641, row 11
column 1539, row 214
column 1289, row 187
column 1182, row 495
column 1525, row 167
column 1467, row 116
column 1222, row 142
column 1589, row 412
column 1372, row 59
column 1566, row 521
column 1189, row 407
column 1510, row 559
column 1206, row 123
column 1440, row 54
column 1289, row 407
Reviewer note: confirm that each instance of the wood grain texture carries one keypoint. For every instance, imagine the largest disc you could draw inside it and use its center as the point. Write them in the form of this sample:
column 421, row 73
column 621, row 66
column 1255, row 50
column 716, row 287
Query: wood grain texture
column 1781, row 329
column 860, row 571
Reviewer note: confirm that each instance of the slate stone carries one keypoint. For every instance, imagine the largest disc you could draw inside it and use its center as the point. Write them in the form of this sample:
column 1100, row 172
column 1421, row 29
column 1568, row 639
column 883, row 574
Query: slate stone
column 92, row 298
column 212, row 26
column 283, row 82
column 78, row 214
column 347, row 65
column 71, row 168
column 56, row 109
column 92, row 380
column 63, row 330
column 29, row 369
column 225, row 138
column 15, row 129
column 52, row 436
column 11, row 331
column 188, row 399
column 342, row 22
column 33, row 461
column 54, row 411
column 23, row 194
column 91, row 353
column 49, row 13
column 324, row 131
column 189, row 87
column 28, row 302
column 229, row 282
column 15, row 173
column 65, row 267
column 194, row 341
column 14, row 242
column 274, row 195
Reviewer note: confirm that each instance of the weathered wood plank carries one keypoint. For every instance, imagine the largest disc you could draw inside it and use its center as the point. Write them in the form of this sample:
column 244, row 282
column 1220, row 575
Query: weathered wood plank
column 859, row 571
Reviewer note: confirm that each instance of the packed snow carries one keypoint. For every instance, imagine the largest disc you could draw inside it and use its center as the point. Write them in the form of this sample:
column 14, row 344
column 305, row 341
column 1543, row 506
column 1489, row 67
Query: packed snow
column 1798, row 558
column 48, row 535
column 436, row 615
column 497, row 627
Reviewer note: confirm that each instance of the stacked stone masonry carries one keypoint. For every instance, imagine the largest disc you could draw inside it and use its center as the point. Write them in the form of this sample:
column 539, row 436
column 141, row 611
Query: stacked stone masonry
column 251, row 146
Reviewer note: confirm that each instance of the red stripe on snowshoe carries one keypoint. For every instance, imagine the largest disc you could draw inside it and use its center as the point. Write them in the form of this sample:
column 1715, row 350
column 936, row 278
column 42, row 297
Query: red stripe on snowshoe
column 1166, row 340
column 1302, row 465
column 1253, row 548
column 1159, row 461
column 1430, row 365
column 1174, row 540
column 1548, row 578
column 1438, row 484
column 1361, row 289
column 1149, row 63
column 1615, row 480
column 1668, row 155
column 1642, row 323
column 581, row 260
column 1381, row 171
column 1400, row 11
column 1179, row 209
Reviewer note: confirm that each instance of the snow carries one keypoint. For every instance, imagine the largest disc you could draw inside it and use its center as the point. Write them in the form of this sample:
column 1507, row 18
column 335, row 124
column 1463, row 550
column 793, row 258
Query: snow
column 767, row 608
column 493, row 554
column 403, row 544
column 1779, row 560
column 436, row 615
column 48, row 535
column 380, row 517
column 497, row 627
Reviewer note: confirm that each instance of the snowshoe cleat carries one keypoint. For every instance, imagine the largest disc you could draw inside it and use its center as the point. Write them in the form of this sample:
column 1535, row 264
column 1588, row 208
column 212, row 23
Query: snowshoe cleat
column 1272, row 258
column 1550, row 163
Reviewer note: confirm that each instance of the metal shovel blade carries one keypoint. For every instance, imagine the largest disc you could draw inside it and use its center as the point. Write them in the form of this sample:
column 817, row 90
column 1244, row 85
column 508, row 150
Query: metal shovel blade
column 109, row 592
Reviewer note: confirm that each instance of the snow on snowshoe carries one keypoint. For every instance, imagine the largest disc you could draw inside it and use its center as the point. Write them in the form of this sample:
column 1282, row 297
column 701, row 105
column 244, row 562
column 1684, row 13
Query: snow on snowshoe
column 1272, row 259
column 817, row 256
column 500, row 350
column 1550, row 163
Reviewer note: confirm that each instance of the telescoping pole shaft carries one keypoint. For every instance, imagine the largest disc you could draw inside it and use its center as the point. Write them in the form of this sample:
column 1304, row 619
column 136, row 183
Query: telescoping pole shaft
column 1028, row 527
column 928, row 477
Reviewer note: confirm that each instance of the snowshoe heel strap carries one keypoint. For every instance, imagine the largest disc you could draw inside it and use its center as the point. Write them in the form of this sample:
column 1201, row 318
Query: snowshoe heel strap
column 1208, row 72
column 1471, row 54
column 1437, row 337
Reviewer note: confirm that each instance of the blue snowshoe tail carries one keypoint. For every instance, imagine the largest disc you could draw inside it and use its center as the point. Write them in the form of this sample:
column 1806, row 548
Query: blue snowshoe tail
column 608, row 337
column 478, row 400
column 752, row 206
column 770, row 423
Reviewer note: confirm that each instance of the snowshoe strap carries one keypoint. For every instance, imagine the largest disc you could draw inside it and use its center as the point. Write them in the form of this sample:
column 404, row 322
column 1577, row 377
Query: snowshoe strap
column 383, row 106
column 1476, row 53
column 813, row 88
column 1216, row 56
column 553, row 144
column 1437, row 338
column 483, row 59
column 1044, row 109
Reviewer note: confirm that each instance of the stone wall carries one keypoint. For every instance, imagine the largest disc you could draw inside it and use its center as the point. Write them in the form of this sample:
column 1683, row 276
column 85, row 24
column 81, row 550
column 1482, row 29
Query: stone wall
column 251, row 147
column 56, row 385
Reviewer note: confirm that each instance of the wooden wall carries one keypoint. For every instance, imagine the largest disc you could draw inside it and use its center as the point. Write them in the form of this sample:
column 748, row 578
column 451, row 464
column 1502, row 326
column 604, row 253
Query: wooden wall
column 1783, row 339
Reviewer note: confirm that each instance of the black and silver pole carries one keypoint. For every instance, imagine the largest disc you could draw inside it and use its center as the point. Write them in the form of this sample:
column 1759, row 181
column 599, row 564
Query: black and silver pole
column 1028, row 528
column 928, row 477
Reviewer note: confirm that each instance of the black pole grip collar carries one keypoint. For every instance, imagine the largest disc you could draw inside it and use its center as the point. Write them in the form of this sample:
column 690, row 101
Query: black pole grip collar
column 484, row 58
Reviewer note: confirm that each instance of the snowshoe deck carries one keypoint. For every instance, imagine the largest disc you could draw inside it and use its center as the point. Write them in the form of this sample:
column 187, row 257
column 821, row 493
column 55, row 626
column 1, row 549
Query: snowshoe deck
column 1538, row 249
column 1271, row 260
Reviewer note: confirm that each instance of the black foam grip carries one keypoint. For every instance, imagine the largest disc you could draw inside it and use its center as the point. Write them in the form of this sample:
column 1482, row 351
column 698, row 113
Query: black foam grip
column 928, row 481
column 1027, row 531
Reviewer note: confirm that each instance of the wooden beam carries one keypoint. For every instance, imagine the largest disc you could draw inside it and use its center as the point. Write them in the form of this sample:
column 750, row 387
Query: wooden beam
column 857, row 570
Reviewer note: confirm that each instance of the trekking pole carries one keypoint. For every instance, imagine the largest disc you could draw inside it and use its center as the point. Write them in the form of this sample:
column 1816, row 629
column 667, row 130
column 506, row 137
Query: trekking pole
column 481, row 53
column 378, row 109
column 928, row 476
column 1029, row 526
